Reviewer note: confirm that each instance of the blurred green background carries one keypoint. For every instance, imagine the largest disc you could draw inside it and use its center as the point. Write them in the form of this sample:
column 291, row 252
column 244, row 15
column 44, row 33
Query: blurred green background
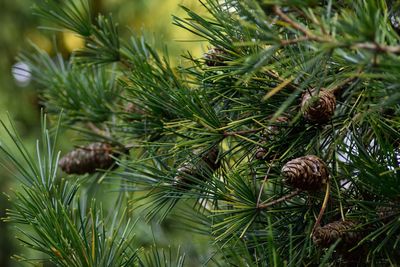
column 17, row 92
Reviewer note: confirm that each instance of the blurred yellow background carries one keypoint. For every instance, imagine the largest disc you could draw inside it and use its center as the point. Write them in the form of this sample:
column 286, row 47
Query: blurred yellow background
column 151, row 16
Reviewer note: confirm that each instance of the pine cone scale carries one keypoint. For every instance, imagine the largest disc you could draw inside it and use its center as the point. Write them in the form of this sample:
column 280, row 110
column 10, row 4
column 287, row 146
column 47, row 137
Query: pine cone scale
column 327, row 235
column 306, row 173
column 318, row 109
column 88, row 159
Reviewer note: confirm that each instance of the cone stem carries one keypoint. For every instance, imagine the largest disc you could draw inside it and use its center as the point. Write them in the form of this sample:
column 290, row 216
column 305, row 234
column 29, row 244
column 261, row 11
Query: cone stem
column 323, row 207
column 264, row 181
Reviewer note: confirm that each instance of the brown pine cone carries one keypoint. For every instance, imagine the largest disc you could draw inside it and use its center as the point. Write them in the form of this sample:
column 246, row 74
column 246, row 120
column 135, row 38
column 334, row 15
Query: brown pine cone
column 215, row 57
column 88, row 159
column 306, row 173
column 202, row 170
column 260, row 153
column 211, row 158
column 318, row 109
column 327, row 235
column 387, row 213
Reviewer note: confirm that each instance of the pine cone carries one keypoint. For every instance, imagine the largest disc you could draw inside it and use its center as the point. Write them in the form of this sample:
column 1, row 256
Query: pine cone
column 202, row 170
column 184, row 174
column 327, row 235
column 387, row 213
column 306, row 173
column 269, row 134
column 215, row 57
column 260, row 153
column 211, row 158
column 320, row 109
column 88, row 159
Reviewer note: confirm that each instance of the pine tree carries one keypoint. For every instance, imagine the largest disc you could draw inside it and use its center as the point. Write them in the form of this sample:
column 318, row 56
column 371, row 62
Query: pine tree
column 281, row 143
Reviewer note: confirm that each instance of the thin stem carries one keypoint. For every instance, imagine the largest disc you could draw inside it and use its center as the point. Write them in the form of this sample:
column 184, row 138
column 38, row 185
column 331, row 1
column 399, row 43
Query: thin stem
column 290, row 84
column 378, row 47
column 309, row 35
column 323, row 207
column 295, row 40
column 279, row 200
column 263, row 183
column 242, row 132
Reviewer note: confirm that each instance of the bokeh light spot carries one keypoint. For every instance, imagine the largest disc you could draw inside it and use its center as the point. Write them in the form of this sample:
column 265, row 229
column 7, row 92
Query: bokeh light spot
column 21, row 73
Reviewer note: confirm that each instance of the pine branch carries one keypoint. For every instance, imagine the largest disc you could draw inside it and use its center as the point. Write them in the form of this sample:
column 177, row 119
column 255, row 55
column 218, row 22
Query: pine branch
column 73, row 15
column 58, row 226
column 310, row 86
column 80, row 92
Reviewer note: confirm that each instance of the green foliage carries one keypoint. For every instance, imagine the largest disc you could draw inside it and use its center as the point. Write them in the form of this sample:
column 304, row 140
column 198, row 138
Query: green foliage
column 160, row 258
column 270, row 54
column 101, row 36
column 58, row 225
column 102, row 46
column 72, row 15
column 78, row 91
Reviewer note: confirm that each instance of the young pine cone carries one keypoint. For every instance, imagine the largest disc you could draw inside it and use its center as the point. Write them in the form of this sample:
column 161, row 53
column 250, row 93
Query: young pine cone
column 318, row 109
column 211, row 158
column 260, row 153
column 269, row 134
column 327, row 235
column 387, row 213
column 88, row 159
column 306, row 173
column 215, row 57
column 202, row 170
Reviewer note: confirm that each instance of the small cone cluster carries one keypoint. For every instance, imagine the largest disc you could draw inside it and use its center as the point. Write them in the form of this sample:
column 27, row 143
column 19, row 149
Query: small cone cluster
column 306, row 173
column 318, row 109
column 269, row 134
column 88, row 159
column 202, row 170
column 215, row 57
column 260, row 154
column 327, row 235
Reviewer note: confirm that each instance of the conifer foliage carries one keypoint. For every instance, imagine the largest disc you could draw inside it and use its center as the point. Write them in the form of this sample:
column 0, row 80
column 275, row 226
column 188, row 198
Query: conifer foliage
column 280, row 143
